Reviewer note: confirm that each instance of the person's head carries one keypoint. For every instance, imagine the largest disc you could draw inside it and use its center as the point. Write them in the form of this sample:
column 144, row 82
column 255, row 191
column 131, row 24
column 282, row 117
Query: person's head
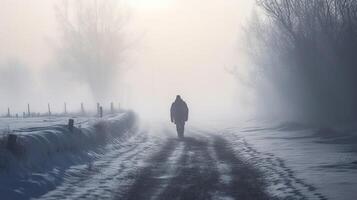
column 178, row 97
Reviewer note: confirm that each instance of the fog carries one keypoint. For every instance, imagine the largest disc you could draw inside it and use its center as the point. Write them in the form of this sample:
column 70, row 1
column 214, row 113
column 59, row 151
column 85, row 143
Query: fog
column 270, row 87
column 167, row 47
column 303, row 59
column 227, row 59
column 186, row 47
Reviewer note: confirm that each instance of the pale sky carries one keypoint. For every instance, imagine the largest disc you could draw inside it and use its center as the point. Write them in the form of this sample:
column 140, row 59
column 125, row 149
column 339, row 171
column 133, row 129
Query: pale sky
column 177, row 47
column 186, row 46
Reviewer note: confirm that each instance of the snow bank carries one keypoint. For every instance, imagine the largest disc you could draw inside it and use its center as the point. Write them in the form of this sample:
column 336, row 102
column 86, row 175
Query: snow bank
column 39, row 144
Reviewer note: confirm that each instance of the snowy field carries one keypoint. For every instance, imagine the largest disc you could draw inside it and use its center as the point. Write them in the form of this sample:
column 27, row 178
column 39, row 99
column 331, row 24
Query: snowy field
column 113, row 158
column 298, row 161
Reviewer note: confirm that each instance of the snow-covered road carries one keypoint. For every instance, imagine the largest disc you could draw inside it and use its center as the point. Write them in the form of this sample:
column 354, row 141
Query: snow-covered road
column 154, row 164
column 209, row 163
column 109, row 173
column 201, row 166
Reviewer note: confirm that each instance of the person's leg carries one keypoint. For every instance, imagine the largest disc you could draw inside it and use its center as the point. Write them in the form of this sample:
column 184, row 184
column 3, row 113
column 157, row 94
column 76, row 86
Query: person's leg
column 183, row 129
column 178, row 129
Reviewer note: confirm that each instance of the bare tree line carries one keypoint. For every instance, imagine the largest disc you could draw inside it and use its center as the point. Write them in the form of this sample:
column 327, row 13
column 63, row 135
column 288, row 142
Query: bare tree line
column 310, row 22
column 306, row 50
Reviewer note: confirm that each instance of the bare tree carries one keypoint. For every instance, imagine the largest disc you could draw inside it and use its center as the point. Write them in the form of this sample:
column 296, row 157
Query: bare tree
column 92, row 44
column 307, row 51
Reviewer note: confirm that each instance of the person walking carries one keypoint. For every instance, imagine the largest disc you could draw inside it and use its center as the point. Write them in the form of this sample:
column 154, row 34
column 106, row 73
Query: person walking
column 179, row 115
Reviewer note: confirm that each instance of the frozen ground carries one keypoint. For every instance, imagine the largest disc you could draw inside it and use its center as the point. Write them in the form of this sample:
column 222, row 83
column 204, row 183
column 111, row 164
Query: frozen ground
column 249, row 161
column 300, row 162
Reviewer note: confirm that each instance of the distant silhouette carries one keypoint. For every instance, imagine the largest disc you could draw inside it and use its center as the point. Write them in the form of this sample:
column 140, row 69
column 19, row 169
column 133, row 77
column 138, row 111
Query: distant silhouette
column 179, row 115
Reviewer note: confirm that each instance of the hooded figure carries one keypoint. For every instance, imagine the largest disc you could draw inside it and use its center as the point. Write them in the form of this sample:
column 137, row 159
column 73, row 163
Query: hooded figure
column 179, row 115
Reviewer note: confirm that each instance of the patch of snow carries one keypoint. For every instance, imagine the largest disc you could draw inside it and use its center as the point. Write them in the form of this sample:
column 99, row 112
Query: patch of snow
column 296, row 162
column 51, row 153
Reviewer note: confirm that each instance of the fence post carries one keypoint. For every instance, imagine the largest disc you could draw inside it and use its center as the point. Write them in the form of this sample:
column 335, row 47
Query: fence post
column 8, row 112
column 28, row 110
column 65, row 108
column 82, row 108
column 49, row 109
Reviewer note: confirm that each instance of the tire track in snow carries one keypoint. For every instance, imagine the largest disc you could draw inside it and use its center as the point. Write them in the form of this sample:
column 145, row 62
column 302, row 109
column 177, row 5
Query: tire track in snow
column 197, row 174
column 153, row 178
column 245, row 182
column 201, row 166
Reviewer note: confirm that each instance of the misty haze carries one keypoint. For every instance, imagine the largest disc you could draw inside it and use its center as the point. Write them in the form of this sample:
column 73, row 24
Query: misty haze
column 178, row 99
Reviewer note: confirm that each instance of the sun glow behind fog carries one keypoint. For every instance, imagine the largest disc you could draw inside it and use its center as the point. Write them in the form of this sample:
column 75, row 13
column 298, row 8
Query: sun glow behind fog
column 185, row 48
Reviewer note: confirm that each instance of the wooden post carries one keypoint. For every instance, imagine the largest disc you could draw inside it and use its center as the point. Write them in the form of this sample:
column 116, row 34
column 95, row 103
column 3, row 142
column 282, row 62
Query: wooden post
column 11, row 142
column 23, row 114
column 8, row 112
column 71, row 124
column 101, row 111
column 65, row 108
column 17, row 115
column 49, row 109
column 82, row 108
column 28, row 110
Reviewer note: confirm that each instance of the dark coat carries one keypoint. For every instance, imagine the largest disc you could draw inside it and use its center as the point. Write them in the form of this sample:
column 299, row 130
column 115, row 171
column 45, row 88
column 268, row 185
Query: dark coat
column 179, row 111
